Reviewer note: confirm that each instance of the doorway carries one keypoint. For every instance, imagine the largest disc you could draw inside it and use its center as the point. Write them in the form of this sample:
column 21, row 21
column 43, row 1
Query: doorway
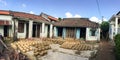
column 70, row 32
column 60, row 31
column 27, row 30
column 83, row 33
column 36, row 30
column 48, row 35
column 6, row 31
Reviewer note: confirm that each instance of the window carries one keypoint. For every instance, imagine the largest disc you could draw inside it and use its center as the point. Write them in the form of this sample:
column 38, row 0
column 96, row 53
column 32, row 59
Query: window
column 92, row 31
column 20, row 27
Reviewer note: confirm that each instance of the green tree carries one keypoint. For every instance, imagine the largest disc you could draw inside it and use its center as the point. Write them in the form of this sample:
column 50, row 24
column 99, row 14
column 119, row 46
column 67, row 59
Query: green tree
column 117, row 46
column 59, row 19
column 104, row 30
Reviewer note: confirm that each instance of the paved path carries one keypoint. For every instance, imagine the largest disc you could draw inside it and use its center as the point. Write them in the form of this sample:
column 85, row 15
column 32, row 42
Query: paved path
column 106, row 51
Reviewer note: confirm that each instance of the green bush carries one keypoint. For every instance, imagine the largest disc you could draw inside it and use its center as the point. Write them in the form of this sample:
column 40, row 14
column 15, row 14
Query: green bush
column 117, row 46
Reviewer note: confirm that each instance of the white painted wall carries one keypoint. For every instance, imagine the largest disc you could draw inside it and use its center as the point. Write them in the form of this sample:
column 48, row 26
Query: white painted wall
column 1, row 30
column 42, row 33
column 40, row 30
column 116, row 25
column 10, row 31
column 46, row 31
column 22, row 35
column 111, row 31
column 55, row 31
column 92, row 38
column 51, row 30
column 98, row 34
column 5, row 17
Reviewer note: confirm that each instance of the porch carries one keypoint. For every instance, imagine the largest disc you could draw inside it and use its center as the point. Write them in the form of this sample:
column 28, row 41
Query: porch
column 70, row 32
column 82, row 33
column 32, row 29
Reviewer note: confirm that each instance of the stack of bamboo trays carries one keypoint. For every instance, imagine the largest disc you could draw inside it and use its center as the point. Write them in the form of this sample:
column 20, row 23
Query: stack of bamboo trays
column 24, row 45
column 55, row 41
column 41, row 49
column 37, row 46
column 76, row 45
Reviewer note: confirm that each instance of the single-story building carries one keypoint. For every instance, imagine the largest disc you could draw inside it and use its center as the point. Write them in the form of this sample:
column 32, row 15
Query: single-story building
column 114, row 25
column 24, row 25
column 77, row 28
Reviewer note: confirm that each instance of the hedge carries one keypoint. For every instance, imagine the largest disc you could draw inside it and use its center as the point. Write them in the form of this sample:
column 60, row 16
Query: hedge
column 117, row 46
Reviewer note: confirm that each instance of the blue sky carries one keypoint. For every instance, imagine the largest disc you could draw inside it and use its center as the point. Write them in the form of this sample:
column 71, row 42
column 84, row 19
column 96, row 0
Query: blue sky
column 64, row 8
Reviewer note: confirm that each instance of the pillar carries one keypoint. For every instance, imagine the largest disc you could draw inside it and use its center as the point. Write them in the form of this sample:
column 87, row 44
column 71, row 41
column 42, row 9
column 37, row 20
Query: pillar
column 12, row 31
column 64, row 33
column 112, row 31
column 40, row 29
column 78, row 33
column 51, row 30
column 30, row 29
column 98, row 34
column 87, row 33
column 55, row 32
column 43, row 30
column 16, row 26
column 15, row 29
column 116, row 25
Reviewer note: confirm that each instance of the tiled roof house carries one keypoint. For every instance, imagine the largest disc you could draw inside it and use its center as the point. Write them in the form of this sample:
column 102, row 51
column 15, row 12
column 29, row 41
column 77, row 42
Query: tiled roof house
column 48, row 17
column 76, row 22
column 23, row 25
column 26, row 25
column 77, row 28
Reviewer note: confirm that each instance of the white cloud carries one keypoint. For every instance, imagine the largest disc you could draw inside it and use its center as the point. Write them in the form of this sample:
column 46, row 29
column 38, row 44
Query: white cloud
column 69, row 15
column 77, row 16
column 104, row 19
column 31, row 12
column 3, row 2
column 95, row 19
column 23, row 5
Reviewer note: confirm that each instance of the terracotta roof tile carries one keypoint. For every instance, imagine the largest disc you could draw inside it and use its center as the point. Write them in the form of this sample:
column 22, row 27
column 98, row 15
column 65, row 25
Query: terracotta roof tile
column 52, row 18
column 4, row 12
column 76, row 22
column 48, row 17
column 29, row 16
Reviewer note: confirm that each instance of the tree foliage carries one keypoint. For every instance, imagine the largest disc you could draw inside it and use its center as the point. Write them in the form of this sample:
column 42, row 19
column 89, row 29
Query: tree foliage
column 104, row 26
column 104, row 30
column 117, row 46
column 59, row 19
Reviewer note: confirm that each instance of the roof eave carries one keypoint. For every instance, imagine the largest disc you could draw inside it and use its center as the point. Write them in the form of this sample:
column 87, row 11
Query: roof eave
column 113, row 16
column 34, row 20
column 78, row 26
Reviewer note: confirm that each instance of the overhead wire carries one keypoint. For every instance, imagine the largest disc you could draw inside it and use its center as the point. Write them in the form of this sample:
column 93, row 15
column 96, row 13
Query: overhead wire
column 99, row 9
